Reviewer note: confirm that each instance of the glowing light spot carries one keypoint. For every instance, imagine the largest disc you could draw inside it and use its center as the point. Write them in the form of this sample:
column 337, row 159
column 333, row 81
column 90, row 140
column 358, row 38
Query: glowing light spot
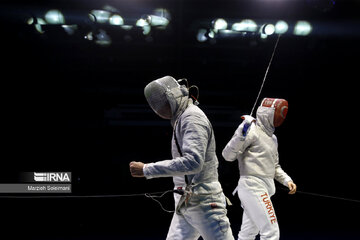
column 281, row 27
column 302, row 28
column 101, row 16
column 219, row 24
column 268, row 29
column 54, row 16
column 116, row 20
column 246, row 25
column 201, row 35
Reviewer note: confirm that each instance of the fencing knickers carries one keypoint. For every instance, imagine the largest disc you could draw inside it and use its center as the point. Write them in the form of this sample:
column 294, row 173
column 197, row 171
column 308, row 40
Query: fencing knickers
column 204, row 216
column 259, row 215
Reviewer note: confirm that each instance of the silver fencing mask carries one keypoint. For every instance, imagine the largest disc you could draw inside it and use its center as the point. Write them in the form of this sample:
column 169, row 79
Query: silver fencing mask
column 162, row 95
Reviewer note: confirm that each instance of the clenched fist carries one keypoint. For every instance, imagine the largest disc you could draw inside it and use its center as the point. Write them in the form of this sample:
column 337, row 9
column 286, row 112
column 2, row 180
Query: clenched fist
column 136, row 169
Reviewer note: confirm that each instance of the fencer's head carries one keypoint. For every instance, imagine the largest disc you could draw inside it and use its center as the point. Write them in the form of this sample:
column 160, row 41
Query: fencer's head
column 276, row 110
column 162, row 95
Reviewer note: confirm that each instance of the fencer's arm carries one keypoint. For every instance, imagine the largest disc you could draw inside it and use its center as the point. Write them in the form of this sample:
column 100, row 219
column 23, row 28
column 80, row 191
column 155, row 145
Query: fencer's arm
column 238, row 142
column 195, row 134
column 280, row 175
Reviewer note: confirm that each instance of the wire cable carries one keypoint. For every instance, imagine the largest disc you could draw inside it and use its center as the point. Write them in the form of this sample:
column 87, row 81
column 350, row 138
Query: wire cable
column 152, row 195
column 85, row 196
column 324, row 196
column 266, row 73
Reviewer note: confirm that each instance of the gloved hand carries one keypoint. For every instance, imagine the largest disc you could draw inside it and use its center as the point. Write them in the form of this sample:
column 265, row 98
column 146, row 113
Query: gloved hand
column 235, row 145
column 248, row 120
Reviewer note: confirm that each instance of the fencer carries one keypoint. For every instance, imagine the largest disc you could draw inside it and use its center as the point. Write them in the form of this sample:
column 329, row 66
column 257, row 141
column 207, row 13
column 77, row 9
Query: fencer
column 201, row 207
column 255, row 147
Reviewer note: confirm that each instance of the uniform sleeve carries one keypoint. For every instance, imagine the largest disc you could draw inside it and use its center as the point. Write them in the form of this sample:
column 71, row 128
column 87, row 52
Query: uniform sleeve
column 280, row 175
column 195, row 131
column 237, row 144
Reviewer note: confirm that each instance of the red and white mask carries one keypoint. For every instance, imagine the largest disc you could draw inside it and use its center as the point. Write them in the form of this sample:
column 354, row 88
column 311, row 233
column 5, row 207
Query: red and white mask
column 281, row 108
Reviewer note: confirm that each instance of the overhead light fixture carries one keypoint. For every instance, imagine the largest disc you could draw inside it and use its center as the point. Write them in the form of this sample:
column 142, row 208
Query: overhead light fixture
column 246, row 25
column 162, row 12
column 156, row 21
column 201, row 35
column 54, row 16
column 281, row 27
column 99, row 16
column 268, row 29
column 210, row 34
column 219, row 24
column 302, row 28
column 116, row 19
column 144, row 25
column 37, row 22
column 141, row 23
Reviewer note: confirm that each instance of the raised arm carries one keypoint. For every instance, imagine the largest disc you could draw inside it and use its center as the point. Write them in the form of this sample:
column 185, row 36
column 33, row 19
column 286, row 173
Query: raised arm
column 240, row 141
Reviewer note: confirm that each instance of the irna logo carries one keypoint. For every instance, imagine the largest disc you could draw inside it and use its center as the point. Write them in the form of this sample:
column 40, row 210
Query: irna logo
column 52, row 177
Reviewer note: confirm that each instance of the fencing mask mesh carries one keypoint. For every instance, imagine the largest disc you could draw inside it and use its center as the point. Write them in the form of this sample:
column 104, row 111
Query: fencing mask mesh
column 157, row 95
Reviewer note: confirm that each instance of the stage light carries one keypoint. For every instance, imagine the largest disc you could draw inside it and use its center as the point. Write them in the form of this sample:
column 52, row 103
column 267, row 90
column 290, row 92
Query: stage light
column 146, row 29
column 281, row 27
column 141, row 23
column 219, row 24
column 116, row 20
column 99, row 16
column 162, row 12
column 144, row 25
column 302, row 28
column 246, row 25
column 37, row 22
column 201, row 36
column 211, row 34
column 268, row 29
column 160, row 18
column 156, row 21
column 54, row 16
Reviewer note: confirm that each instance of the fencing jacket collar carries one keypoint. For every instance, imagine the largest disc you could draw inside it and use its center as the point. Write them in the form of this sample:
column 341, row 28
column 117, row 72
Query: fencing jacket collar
column 183, row 103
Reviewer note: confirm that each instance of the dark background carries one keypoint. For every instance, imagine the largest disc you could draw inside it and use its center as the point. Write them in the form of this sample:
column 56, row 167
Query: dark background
column 68, row 104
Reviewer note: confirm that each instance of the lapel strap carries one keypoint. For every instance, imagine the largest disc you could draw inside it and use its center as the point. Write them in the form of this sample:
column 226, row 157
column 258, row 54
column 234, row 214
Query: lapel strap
column 179, row 149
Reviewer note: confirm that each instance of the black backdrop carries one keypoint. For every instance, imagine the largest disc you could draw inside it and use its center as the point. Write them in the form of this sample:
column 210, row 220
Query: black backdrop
column 69, row 104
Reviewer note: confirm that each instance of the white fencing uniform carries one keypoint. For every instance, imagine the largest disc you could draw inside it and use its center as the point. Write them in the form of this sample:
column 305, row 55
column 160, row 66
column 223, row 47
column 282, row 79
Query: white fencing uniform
column 201, row 212
column 257, row 155
column 203, row 216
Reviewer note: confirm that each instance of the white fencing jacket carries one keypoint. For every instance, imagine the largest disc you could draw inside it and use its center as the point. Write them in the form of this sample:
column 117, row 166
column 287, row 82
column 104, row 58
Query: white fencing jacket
column 198, row 161
column 257, row 152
